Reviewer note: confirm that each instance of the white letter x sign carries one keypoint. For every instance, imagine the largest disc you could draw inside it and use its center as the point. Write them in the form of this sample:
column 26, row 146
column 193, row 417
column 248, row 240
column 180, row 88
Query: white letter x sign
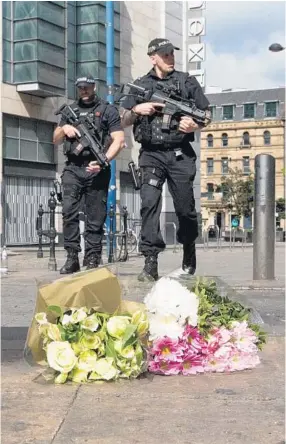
column 196, row 52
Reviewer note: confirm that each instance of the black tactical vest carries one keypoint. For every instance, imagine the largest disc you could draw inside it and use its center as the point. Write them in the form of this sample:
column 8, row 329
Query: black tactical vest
column 96, row 114
column 148, row 129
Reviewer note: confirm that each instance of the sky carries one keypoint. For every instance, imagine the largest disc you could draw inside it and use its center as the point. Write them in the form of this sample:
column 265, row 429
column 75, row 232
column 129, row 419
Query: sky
column 238, row 34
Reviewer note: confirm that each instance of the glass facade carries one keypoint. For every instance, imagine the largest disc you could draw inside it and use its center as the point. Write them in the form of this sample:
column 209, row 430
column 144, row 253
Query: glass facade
column 28, row 139
column 34, row 44
column 53, row 43
column 91, row 42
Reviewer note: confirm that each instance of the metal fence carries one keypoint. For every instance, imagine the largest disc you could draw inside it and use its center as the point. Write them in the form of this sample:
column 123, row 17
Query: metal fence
column 229, row 238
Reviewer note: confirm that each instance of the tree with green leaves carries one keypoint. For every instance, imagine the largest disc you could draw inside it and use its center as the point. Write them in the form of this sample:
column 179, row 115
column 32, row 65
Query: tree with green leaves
column 280, row 208
column 238, row 191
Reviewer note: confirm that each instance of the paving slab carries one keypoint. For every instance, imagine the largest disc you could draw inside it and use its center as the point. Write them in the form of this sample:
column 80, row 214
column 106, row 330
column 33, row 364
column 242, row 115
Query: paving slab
column 232, row 408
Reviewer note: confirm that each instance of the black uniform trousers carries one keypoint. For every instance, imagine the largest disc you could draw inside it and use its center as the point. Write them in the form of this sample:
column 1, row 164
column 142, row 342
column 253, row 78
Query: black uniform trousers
column 156, row 167
column 81, row 187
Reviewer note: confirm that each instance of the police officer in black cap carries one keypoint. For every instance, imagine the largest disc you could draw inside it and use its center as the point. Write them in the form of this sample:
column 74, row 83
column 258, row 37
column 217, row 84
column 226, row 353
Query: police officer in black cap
column 83, row 179
column 165, row 156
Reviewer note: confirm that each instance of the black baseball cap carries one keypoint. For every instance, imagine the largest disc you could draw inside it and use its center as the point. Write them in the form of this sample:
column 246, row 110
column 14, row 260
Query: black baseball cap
column 85, row 81
column 161, row 46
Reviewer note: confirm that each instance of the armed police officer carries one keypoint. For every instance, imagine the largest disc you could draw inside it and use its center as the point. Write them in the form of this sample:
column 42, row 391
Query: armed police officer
column 83, row 179
column 165, row 156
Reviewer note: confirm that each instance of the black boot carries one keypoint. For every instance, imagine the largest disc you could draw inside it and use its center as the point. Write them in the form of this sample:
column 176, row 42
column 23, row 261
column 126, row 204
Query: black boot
column 72, row 263
column 92, row 261
column 150, row 270
column 189, row 259
column 85, row 261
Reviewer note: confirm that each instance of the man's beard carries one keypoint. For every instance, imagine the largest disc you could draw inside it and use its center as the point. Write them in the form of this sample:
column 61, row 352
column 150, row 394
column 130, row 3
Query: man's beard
column 90, row 99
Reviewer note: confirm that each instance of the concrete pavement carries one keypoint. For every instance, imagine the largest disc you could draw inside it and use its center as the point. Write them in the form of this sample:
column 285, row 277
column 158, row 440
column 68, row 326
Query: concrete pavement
column 243, row 407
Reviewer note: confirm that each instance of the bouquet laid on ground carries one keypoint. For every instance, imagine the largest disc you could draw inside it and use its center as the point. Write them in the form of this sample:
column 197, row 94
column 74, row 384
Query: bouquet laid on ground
column 84, row 345
column 196, row 330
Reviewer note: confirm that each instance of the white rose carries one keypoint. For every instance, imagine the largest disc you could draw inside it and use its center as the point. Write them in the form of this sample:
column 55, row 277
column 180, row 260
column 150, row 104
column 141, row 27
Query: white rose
column 41, row 318
column 104, row 369
column 126, row 352
column 78, row 315
column 61, row 378
column 116, row 326
column 78, row 375
column 90, row 323
column 87, row 360
column 54, row 333
column 61, row 356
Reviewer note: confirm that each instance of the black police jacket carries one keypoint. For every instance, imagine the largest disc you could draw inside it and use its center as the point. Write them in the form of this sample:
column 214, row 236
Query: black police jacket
column 100, row 118
column 147, row 129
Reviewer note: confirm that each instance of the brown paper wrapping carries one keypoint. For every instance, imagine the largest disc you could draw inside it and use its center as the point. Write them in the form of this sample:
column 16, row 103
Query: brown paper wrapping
column 98, row 289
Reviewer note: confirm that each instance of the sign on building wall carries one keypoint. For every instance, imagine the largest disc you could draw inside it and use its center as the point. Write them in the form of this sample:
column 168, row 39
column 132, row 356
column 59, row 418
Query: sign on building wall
column 199, row 74
column 196, row 52
column 196, row 5
column 196, row 27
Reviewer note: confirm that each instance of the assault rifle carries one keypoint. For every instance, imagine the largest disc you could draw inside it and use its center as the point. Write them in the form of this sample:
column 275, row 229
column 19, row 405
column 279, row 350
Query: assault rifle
column 168, row 95
column 88, row 135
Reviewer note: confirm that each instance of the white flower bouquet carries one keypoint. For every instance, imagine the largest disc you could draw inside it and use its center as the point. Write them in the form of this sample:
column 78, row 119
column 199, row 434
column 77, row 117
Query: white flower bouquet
column 84, row 345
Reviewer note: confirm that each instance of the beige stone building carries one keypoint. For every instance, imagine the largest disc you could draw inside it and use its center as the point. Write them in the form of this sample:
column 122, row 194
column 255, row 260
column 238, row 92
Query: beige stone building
column 245, row 123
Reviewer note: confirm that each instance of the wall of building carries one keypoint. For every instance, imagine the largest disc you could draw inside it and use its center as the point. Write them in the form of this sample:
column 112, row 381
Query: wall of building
column 236, row 150
column 139, row 23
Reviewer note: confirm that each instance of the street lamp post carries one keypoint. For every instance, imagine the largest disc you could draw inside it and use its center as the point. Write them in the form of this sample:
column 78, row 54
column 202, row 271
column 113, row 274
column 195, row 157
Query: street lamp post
column 276, row 47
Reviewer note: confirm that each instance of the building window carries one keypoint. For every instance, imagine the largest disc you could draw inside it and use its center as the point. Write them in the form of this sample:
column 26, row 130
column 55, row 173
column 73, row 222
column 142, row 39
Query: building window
column 270, row 109
column 267, row 138
column 249, row 111
column 91, row 43
column 227, row 112
column 224, row 165
column 246, row 138
column 245, row 165
column 224, row 139
column 212, row 110
column 210, row 166
column 210, row 140
column 210, row 191
column 7, row 41
column 36, row 53
column 71, row 50
column 28, row 139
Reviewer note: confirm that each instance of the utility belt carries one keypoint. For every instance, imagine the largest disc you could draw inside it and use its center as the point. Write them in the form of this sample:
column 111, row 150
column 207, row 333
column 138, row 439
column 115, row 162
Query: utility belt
column 80, row 161
column 162, row 147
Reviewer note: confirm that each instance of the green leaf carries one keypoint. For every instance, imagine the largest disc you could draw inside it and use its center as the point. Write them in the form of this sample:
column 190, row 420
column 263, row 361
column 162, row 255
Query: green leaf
column 130, row 330
column 109, row 349
column 55, row 309
column 131, row 341
column 62, row 331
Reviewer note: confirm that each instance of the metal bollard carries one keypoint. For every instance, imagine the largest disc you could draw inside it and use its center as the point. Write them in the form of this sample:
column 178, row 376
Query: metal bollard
column 111, row 235
column 124, row 258
column 82, row 230
column 205, row 240
column 175, row 234
column 39, row 228
column 218, row 242
column 52, row 203
column 264, row 218
column 175, row 237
